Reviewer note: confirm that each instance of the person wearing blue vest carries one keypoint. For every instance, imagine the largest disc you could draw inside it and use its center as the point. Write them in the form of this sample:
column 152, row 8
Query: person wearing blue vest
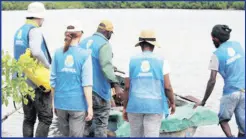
column 71, row 81
column 229, row 61
column 148, row 89
column 103, row 77
column 30, row 36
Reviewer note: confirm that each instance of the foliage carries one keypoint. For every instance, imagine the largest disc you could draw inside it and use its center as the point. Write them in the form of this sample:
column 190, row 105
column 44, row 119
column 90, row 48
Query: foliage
column 12, row 86
column 123, row 4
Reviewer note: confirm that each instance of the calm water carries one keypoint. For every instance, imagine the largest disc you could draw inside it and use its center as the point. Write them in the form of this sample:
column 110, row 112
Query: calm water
column 183, row 34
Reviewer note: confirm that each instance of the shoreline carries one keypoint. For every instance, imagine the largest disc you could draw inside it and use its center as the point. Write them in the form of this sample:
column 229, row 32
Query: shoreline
column 211, row 5
column 131, row 9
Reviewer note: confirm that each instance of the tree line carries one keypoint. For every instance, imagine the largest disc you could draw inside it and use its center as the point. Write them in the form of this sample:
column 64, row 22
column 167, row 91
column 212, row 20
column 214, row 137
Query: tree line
column 123, row 5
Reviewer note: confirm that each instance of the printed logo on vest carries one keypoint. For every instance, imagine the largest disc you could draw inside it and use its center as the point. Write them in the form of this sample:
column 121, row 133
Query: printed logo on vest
column 145, row 66
column 231, row 52
column 69, row 64
column 69, row 61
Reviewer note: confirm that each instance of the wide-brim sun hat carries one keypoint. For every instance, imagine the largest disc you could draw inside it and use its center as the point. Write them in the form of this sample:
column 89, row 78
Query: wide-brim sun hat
column 36, row 10
column 147, row 36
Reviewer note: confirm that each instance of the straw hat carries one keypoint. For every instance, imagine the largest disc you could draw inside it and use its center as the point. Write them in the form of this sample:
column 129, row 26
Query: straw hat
column 147, row 36
column 36, row 9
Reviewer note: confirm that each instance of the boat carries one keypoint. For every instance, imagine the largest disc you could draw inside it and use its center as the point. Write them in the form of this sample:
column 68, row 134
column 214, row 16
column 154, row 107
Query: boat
column 116, row 123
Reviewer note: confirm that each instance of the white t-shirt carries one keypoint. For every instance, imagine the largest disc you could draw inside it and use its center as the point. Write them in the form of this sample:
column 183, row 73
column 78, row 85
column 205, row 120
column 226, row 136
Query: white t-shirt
column 214, row 63
column 166, row 69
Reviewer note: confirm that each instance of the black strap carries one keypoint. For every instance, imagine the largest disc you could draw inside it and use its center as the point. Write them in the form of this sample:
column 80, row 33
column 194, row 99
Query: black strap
column 14, row 105
column 47, row 50
column 147, row 39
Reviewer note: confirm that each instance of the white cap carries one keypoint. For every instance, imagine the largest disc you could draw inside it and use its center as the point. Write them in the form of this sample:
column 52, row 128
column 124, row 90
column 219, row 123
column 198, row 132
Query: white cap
column 36, row 9
column 77, row 26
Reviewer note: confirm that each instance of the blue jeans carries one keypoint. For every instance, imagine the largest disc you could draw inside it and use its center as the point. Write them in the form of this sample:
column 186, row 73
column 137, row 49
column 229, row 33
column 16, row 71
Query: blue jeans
column 233, row 103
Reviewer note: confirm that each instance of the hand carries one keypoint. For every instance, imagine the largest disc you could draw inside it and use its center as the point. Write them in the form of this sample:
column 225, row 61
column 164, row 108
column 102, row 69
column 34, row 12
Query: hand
column 199, row 104
column 112, row 102
column 173, row 108
column 124, row 114
column 115, row 69
column 119, row 91
column 89, row 114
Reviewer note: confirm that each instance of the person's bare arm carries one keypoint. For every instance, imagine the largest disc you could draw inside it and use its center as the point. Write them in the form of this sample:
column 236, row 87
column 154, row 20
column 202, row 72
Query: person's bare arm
column 169, row 92
column 53, row 100
column 214, row 67
column 88, row 95
column 125, row 98
column 126, row 92
column 87, row 83
column 210, row 86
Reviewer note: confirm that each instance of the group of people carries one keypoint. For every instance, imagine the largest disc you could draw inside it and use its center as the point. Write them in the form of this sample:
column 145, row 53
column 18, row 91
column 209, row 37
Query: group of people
column 82, row 76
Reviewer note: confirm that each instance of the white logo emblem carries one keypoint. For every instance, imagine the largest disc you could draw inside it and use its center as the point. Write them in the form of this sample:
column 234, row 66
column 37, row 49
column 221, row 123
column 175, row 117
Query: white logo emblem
column 145, row 66
column 69, row 61
column 231, row 52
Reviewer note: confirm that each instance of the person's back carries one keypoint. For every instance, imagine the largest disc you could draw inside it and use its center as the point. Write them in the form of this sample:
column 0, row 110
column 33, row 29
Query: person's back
column 231, row 57
column 100, row 85
column 21, row 40
column 103, row 76
column 229, row 61
column 147, row 83
column 71, row 82
column 147, row 89
column 30, row 36
column 68, row 92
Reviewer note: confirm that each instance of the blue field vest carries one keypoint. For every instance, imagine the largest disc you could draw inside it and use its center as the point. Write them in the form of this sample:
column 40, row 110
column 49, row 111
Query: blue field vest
column 101, row 85
column 147, row 94
column 21, row 42
column 69, row 93
column 231, row 58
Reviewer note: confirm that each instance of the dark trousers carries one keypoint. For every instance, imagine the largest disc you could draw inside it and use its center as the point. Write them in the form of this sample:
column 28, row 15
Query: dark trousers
column 98, row 126
column 41, row 107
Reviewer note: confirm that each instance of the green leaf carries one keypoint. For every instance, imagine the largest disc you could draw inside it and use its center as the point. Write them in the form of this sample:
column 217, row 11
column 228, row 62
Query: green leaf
column 15, row 88
column 25, row 101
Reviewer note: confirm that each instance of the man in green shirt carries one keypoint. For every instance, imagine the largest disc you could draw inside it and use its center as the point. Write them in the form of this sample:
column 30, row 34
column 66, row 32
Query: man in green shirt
column 103, row 77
